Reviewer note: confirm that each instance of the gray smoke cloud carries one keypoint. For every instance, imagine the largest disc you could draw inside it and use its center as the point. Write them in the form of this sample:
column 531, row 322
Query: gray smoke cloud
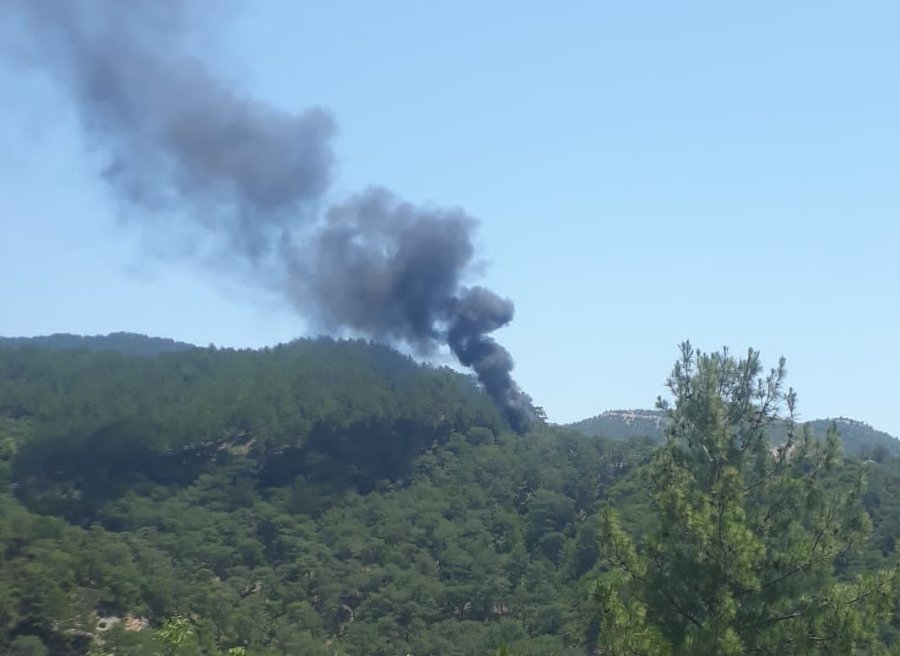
column 182, row 142
column 385, row 268
column 177, row 138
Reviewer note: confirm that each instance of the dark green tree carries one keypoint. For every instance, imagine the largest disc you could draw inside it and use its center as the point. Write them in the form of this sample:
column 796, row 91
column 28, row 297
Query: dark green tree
column 746, row 552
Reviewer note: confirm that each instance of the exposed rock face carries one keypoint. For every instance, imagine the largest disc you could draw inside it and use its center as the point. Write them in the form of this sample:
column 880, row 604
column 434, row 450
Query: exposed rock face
column 630, row 417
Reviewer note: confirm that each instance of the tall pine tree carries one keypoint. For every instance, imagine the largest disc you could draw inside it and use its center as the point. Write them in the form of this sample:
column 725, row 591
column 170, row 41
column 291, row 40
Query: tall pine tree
column 745, row 555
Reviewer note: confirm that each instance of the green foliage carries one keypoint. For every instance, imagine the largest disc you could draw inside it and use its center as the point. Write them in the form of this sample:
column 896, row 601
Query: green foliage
column 342, row 414
column 747, row 547
column 175, row 632
column 334, row 498
column 27, row 646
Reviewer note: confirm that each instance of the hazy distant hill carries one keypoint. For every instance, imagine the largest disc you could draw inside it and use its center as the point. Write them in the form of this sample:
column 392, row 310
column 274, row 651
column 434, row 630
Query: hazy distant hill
column 121, row 342
column 857, row 436
column 623, row 424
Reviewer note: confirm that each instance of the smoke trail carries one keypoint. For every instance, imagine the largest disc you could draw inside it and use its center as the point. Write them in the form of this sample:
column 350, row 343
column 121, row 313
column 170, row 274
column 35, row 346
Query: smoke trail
column 476, row 313
column 177, row 138
column 182, row 142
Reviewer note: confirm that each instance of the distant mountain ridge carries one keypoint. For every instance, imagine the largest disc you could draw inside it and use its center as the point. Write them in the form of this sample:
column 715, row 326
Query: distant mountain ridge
column 857, row 436
column 623, row 424
column 119, row 342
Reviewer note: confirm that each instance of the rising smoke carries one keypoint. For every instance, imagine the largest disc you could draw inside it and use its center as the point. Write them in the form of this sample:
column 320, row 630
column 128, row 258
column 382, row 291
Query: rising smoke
column 182, row 142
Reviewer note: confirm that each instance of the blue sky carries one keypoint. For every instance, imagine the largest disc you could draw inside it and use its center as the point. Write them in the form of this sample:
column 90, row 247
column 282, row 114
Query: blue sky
column 644, row 172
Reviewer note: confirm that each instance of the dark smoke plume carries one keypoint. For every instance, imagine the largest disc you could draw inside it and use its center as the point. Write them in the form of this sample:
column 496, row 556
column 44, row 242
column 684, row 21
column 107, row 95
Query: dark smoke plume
column 180, row 142
column 382, row 267
column 477, row 312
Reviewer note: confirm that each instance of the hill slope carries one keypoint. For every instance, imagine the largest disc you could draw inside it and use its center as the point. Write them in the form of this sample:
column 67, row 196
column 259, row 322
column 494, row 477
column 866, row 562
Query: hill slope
column 857, row 437
column 121, row 342
column 623, row 424
column 317, row 498
column 346, row 402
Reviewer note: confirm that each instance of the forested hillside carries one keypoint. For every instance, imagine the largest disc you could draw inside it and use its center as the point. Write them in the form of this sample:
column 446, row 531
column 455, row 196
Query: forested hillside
column 334, row 497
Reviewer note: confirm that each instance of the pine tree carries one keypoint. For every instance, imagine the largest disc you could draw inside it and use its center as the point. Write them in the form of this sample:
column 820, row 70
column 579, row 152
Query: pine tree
column 749, row 540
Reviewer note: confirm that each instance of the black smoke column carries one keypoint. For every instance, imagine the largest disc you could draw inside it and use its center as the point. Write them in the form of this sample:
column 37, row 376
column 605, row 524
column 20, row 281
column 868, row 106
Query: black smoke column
column 477, row 312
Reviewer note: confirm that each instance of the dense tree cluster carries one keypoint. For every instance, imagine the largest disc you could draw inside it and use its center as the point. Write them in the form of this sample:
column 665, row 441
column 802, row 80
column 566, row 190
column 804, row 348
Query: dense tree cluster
column 336, row 498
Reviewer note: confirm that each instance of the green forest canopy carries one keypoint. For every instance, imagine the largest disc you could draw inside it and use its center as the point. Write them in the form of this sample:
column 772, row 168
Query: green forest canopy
column 335, row 497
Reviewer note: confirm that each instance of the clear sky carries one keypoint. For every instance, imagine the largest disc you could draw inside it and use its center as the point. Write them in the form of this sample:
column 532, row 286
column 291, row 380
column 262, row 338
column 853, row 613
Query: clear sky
column 644, row 172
